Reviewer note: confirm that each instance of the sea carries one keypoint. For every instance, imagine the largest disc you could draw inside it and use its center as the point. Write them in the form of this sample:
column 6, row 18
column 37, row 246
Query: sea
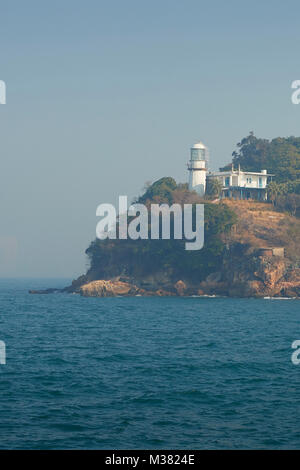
column 146, row 373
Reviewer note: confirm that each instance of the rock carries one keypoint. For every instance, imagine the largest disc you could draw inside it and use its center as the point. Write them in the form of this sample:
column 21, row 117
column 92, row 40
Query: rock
column 214, row 277
column 180, row 288
column 113, row 288
column 103, row 288
column 44, row 291
column 270, row 272
column 200, row 292
column 244, row 274
column 291, row 286
column 77, row 283
column 163, row 293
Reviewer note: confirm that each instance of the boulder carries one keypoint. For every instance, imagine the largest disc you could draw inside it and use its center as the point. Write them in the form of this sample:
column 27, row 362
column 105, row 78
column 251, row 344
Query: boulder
column 103, row 288
column 180, row 288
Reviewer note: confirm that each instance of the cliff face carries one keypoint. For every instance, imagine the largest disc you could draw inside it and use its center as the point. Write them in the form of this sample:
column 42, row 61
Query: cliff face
column 250, row 277
column 250, row 250
column 248, row 267
column 118, row 288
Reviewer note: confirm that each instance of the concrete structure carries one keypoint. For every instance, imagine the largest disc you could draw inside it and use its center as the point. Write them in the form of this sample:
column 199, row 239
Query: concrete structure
column 235, row 183
column 197, row 167
column 268, row 252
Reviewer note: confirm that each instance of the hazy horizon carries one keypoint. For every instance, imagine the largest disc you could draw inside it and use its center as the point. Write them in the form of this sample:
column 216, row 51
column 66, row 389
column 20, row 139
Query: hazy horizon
column 102, row 97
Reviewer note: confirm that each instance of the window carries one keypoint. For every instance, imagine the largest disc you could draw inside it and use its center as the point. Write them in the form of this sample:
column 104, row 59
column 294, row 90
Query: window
column 227, row 181
column 198, row 154
column 260, row 184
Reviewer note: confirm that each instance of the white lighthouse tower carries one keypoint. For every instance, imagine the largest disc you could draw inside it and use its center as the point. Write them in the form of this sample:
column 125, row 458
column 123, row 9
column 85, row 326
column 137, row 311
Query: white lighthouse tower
column 197, row 167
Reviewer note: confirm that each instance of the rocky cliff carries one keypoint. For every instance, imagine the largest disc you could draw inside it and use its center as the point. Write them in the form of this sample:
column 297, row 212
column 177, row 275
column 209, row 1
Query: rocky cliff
column 248, row 268
column 260, row 277
column 251, row 250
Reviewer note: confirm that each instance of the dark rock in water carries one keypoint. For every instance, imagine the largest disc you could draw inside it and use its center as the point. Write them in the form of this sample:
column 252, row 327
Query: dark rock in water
column 44, row 291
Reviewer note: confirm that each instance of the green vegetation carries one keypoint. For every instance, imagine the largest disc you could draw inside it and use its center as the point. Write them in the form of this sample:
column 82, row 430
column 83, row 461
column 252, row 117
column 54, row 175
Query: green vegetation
column 139, row 258
column 213, row 187
column 161, row 189
column 280, row 156
column 289, row 202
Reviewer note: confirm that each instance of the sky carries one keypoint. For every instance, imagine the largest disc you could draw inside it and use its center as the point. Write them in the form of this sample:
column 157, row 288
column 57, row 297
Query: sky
column 103, row 96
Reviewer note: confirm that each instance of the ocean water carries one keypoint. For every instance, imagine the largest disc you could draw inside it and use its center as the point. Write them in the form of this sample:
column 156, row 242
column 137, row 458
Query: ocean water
column 134, row 373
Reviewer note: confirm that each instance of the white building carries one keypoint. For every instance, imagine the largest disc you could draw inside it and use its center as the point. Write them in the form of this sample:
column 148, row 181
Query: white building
column 235, row 183
column 197, row 167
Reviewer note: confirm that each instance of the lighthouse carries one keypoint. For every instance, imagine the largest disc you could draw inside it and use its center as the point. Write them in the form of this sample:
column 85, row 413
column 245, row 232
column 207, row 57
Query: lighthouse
column 197, row 167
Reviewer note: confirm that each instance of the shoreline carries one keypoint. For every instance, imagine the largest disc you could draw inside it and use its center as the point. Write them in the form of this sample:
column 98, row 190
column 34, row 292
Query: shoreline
column 153, row 295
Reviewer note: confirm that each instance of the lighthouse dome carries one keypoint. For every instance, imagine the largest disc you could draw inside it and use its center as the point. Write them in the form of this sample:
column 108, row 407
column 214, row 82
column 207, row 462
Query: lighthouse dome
column 199, row 145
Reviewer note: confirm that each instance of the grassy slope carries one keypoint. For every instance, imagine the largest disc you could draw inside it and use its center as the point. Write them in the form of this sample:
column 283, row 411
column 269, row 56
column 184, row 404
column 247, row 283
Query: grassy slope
column 261, row 225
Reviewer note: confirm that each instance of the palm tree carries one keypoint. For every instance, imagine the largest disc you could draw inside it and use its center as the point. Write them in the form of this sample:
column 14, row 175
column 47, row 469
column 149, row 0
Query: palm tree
column 214, row 187
column 274, row 190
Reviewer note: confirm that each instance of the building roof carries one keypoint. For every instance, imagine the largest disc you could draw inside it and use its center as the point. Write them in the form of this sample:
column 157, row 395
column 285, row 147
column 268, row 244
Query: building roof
column 199, row 145
column 236, row 172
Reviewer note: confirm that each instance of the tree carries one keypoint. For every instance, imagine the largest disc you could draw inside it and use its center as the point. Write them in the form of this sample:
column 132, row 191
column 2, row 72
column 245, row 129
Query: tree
column 140, row 258
column 280, row 156
column 289, row 202
column 162, row 189
column 251, row 154
column 273, row 191
column 213, row 187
